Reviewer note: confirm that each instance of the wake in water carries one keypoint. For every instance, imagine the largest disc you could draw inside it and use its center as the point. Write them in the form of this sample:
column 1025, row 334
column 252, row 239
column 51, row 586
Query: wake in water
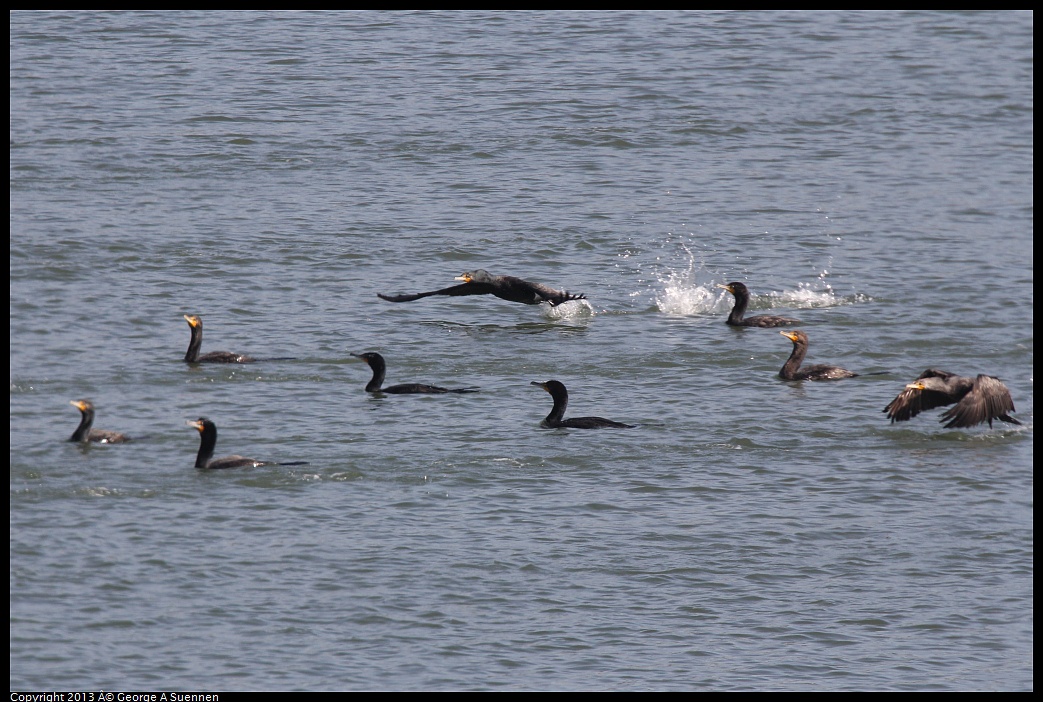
column 812, row 295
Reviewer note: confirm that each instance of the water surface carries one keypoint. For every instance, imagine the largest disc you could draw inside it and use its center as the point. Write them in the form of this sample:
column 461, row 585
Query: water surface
column 870, row 174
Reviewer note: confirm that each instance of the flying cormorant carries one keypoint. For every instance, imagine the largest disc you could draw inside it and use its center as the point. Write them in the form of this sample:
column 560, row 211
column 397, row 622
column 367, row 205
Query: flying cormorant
column 978, row 400
column 505, row 287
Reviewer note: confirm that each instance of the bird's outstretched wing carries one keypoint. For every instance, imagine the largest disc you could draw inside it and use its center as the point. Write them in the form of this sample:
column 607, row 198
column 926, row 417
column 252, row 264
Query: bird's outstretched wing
column 988, row 399
column 455, row 290
column 912, row 401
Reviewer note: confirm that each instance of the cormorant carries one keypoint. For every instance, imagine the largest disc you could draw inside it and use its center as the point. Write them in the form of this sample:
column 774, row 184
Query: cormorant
column 207, row 442
column 742, row 300
column 505, row 287
column 561, row 400
column 791, row 370
column 376, row 362
column 192, row 355
column 978, row 400
column 84, row 433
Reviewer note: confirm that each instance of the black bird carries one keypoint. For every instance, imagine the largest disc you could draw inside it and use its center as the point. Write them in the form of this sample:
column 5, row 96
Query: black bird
column 84, row 433
column 978, row 400
column 561, row 400
column 193, row 356
column 376, row 362
column 819, row 372
column 742, row 300
column 505, row 287
column 207, row 442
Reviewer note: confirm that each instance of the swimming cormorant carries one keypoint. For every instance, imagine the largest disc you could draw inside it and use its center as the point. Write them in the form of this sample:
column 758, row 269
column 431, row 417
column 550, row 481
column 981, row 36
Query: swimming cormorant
column 505, row 287
column 207, row 442
column 193, row 356
column 84, row 433
column 376, row 362
column 561, row 400
column 978, row 400
column 742, row 300
column 791, row 370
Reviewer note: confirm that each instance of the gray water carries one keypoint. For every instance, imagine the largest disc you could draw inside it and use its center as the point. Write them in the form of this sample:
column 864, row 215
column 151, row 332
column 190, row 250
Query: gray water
column 870, row 174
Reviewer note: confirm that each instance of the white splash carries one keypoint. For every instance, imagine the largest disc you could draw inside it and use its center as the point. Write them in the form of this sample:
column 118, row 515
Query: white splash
column 685, row 298
column 680, row 293
column 804, row 297
column 811, row 295
column 573, row 309
column 689, row 287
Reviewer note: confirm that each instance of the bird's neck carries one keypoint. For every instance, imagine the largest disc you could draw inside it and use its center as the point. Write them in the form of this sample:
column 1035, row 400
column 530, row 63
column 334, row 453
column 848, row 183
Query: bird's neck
column 377, row 381
column 192, row 355
column 207, row 442
column 738, row 310
column 83, row 431
column 789, row 369
column 557, row 412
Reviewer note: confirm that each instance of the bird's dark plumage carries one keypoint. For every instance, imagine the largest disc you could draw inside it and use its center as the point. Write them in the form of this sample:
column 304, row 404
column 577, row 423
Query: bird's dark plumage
column 84, row 433
column 742, row 300
column 561, row 400
column 505, row 287
column 207, row 442
column 791, row 370
column 376, row 362
column 977, row 400
column 193, row 355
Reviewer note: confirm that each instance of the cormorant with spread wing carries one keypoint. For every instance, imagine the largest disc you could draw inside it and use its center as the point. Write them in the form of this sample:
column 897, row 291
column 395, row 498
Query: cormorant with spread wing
column 505, row 287
column 977, row 400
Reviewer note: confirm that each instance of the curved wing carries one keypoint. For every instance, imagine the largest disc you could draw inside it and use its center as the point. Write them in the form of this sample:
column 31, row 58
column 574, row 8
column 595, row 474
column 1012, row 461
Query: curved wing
column 988, row 399
column 912, row 401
